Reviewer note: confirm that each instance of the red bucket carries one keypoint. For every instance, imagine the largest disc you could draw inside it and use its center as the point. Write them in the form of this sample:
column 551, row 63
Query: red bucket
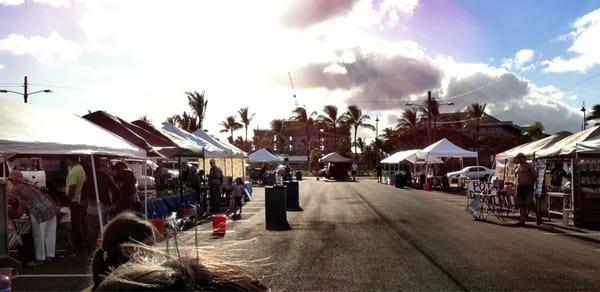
column 219, row 222
column 426, row 187
column 159, row 223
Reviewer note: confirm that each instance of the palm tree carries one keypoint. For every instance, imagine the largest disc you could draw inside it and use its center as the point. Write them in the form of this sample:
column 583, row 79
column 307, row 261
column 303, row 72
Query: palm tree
column 535, row 131
column 476, row 111
column 198, row 104
column 277, row 127
column 594, row 114
column 230, row 125
column 301, row 115
column 145, row 119
column 174, row 119
column 355, row 118
column 332, row 120
column 246, row 118
column 188, row 122
column 408, row 124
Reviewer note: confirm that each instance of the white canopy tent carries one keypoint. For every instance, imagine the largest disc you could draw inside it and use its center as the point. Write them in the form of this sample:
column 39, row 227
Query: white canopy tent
column 31, row 130
column 231, row 150
column 210, row 149
column 444, row 148
column 334, row 157
column 531, row 148
column 265, row 156
column 410, row 156
column 568, row 145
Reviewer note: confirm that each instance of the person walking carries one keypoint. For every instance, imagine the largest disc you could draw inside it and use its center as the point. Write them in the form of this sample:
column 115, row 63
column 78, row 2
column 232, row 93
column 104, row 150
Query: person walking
column 526, row 176
column 238, row 192
column 379, row 170
column 42, row 211
column 354, row 169
column 74, row 185
column 215, row 180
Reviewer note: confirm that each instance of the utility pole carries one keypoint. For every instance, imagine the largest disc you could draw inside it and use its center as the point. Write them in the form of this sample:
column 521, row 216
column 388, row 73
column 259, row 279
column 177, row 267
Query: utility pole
column 583, row 109
column 429, row 116
column 25, row 92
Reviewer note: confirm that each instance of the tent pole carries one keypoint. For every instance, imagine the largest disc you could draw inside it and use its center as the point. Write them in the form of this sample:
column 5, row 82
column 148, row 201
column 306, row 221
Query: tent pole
column 145, row 174
column 426, row 168
column 98, row 203
column 180, row 182
column 225, row 165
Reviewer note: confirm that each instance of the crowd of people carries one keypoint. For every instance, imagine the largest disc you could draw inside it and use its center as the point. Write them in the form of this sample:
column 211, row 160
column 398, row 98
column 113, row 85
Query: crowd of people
column 71, row 210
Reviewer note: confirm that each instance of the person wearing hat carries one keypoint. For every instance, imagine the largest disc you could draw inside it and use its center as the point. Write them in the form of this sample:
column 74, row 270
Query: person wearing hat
column 42, row 211
column 525, row 176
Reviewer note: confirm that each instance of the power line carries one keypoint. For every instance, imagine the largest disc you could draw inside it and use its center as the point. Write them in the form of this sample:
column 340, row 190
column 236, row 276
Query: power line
column 580, row 81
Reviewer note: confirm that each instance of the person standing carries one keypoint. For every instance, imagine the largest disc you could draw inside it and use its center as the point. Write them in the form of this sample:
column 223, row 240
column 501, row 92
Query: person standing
column 354, row 169
column 126, row 197
column 215, row 180
column 74, row 185
column 106, row 187
column 379, row 170
column 526, row 176
column 42, row 211
column 64, row 225
column 237, row 192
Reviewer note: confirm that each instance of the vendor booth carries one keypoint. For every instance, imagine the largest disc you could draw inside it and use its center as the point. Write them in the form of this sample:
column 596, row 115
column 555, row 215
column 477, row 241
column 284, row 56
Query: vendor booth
column 30, row 131
column 336, row 166
column 443, row 148
column 571, row 177
column 232, row 163
column 263, row 163
column 406, row 156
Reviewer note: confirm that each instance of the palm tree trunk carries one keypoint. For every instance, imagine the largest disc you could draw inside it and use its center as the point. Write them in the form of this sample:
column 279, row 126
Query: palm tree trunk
column 334, row 137
column 307, row 146
column 355, row 133
column 232, row 135
column 246, row 133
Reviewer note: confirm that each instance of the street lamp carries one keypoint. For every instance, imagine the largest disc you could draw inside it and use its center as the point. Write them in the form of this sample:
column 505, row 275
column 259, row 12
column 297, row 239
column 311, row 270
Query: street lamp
column 25, row 92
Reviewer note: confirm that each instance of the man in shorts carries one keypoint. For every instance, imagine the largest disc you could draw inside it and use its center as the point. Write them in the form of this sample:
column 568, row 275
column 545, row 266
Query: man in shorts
column 526, row 176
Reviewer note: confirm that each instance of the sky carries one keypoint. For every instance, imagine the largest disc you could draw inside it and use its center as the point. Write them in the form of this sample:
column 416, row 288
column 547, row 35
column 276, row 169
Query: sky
column 527, row 60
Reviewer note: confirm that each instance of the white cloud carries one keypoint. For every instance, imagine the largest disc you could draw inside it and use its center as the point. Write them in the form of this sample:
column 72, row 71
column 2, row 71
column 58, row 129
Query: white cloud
column 53, row 3
column 522, row 61
column 585, row 46
column 11, row 2
column 53, row 48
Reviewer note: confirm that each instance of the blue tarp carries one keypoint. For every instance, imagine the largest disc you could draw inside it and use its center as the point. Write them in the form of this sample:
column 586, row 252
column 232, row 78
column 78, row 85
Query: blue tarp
column 163, row 207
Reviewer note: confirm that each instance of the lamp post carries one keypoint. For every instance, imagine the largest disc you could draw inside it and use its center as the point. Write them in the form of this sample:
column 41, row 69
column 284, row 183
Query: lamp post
column 583, row 109
column 430, row 105
column 25, row 92
column 377, row 137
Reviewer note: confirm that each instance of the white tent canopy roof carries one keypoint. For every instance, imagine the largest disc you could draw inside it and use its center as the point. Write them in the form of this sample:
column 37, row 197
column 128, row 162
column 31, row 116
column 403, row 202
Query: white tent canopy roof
column 568, row 145
column 264, row 155
column 410, row 156
column 230, row 150
column 29, row 129
column 445, row 148
column 210, row 149
column 334, row 157
column 531, row 148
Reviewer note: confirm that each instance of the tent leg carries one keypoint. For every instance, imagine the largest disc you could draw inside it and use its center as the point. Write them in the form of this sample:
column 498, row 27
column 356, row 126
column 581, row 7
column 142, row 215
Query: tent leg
column 98, row 203
column 180, row 182
column 145, row 174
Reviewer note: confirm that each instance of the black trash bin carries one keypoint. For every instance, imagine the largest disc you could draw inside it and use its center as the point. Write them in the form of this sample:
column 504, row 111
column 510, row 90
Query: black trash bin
column 400, row 181
column 298, row 175
column 293, row 195
column 276, row 207
column 271, row 179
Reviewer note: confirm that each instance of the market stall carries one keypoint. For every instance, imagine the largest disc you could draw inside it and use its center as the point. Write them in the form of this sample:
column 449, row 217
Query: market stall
column 571, row 177
column 232, row 163
column 442, row 149
column 27, row 130
column 336, row 166
column 393, row 162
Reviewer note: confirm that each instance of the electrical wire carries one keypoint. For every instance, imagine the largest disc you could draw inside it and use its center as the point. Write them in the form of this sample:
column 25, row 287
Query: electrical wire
column 459, row 121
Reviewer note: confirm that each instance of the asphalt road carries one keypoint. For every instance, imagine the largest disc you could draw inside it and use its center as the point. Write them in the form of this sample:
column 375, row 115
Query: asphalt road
column 367, row 236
